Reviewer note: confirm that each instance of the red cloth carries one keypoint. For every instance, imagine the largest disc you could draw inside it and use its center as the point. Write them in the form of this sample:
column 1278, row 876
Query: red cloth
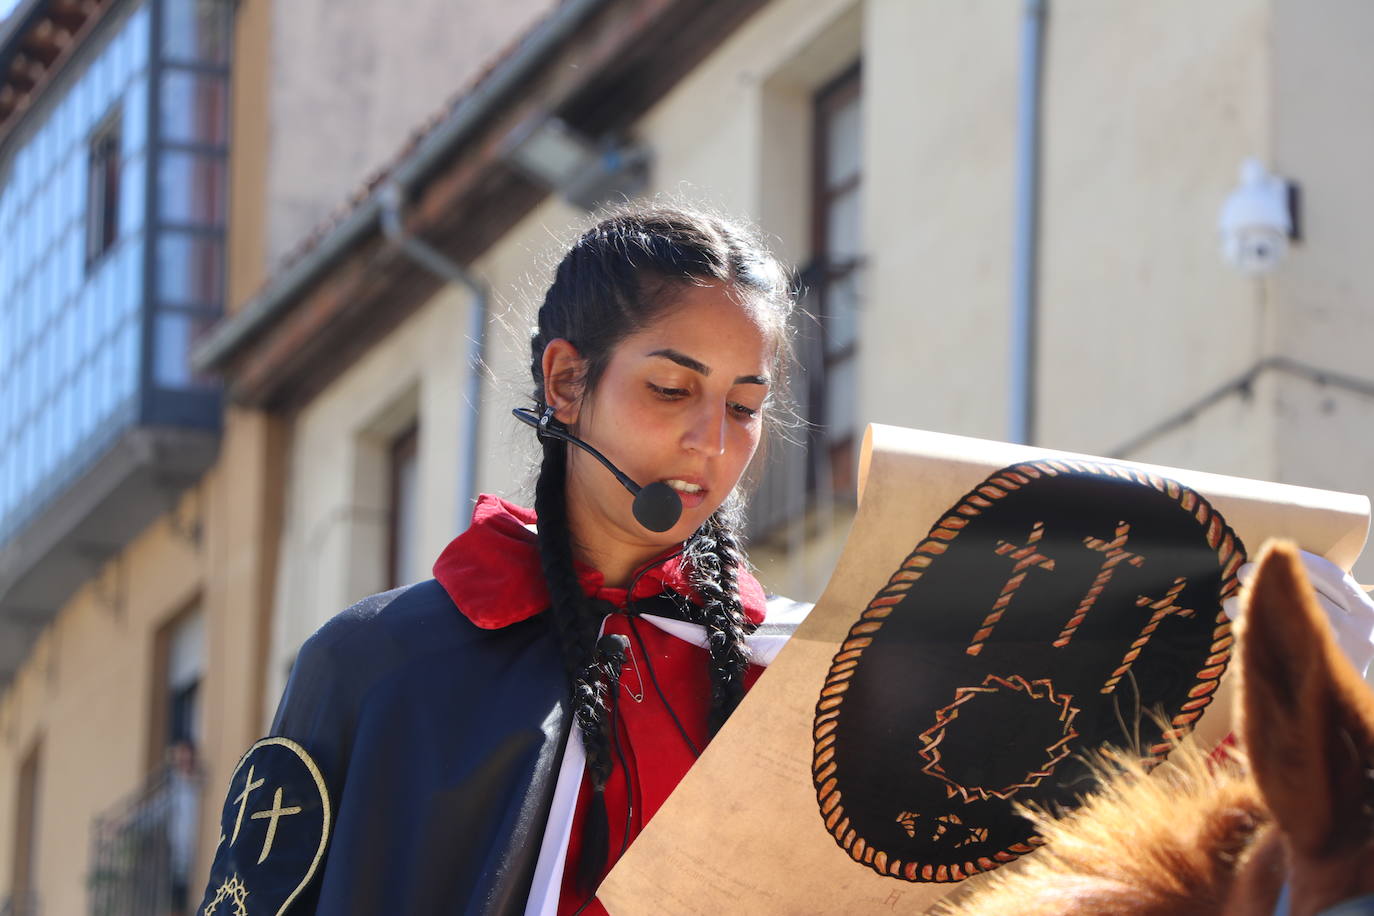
column 656, row 755
column 492, row 573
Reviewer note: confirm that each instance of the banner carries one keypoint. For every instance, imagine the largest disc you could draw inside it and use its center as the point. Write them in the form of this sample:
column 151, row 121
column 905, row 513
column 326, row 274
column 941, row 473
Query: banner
column 998, row 611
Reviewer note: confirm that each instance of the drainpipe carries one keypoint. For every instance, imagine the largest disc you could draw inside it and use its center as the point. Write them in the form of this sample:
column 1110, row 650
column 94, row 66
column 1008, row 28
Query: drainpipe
column 444, row 267
column 1027, row 219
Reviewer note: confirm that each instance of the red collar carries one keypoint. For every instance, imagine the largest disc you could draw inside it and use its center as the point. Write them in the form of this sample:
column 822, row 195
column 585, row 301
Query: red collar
column 491, row 571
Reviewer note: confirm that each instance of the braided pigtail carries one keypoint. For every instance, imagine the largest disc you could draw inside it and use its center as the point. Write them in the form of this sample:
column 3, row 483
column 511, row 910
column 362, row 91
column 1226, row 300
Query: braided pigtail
column 575, row 625
column 716, row 559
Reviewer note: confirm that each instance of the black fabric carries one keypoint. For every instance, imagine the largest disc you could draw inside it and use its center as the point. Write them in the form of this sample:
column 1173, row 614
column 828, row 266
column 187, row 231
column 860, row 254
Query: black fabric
column 439, row 743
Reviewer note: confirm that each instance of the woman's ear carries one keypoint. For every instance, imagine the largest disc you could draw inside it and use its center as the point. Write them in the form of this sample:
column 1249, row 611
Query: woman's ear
column 563, row 371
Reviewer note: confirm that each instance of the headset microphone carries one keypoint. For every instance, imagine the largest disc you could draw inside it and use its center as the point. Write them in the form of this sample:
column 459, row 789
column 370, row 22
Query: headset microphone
column 656, row 506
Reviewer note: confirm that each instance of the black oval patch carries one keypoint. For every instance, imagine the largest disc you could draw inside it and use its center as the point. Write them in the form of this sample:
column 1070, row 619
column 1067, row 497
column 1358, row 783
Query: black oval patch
column 274, row 828
column 1048, row 613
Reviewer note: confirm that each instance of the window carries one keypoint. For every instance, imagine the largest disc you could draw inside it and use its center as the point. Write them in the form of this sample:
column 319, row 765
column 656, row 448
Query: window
column 23, row 887
column 189, row 166
column 143, row 847
column 835, row 275
column 179, row 654
column 185, row 664
column 102, row 189
column 814, row 194
column 402, row 511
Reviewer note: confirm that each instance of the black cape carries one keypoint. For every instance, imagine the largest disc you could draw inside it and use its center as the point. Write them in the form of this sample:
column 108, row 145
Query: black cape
column 413, row 766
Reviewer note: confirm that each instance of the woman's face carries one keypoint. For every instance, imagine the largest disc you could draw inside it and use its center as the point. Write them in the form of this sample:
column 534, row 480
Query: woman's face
column 679, row 402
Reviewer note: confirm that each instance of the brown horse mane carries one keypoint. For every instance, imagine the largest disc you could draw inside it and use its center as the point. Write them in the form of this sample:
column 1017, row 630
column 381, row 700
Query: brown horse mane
column 1145, row 843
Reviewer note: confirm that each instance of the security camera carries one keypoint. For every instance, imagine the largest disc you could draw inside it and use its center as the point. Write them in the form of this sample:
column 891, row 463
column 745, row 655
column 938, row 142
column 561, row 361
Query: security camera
column 1257, row 220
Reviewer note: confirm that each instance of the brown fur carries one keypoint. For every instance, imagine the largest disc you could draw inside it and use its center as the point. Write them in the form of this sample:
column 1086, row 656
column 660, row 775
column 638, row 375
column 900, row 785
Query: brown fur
column 1144, row 844
column 1201, row 838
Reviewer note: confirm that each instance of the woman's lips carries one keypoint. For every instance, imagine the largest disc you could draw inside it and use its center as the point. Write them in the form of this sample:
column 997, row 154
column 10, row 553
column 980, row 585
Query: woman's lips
column 691, row 492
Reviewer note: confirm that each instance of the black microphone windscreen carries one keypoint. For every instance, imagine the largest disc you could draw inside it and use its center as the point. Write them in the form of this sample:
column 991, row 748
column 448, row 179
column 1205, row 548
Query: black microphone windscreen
column 657, row 506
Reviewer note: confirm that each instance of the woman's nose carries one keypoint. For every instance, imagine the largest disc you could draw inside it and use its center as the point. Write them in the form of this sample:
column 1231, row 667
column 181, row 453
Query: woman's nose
column 706, row 434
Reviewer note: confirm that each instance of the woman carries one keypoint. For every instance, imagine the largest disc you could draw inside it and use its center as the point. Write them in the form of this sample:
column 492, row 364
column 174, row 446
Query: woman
column 424, row 758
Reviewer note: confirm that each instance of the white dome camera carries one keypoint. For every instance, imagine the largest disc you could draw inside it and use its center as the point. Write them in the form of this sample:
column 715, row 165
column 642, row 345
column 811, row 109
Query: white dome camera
column 1256, row 220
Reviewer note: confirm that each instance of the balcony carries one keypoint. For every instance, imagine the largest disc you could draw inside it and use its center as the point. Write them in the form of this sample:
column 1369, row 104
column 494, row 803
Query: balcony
column 112, row 207
column 144, row 848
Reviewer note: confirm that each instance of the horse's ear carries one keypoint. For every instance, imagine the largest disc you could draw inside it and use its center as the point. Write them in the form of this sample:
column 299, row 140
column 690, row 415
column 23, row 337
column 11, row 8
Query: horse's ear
column 1307, row 717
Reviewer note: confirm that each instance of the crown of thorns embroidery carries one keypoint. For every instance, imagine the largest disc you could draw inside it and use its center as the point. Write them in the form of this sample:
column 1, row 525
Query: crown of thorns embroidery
column 233, row 891
column 1040, row 690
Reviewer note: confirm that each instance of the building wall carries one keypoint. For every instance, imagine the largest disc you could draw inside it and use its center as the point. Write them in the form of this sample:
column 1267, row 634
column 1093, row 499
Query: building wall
column 342, row 88
column 351, row 80
column 334, row 539
column 87, row 692
column 1147, row 121
column 1323, row 295
column 249, row 161
column 89, row 689
column 1145, row 125
column 244, row 514
column 243, row 530
column 333, row 545
column 938, row 220
column 1323, row 138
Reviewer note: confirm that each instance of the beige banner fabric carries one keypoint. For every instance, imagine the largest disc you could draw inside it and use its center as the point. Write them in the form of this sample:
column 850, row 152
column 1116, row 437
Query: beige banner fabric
column 762, row 823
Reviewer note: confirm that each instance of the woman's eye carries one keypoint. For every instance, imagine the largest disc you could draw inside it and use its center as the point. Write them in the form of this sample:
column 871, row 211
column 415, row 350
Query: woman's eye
column 744, row 411
column 668, row 394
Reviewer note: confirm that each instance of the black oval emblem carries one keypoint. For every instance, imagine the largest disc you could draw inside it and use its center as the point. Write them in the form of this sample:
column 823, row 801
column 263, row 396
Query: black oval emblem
column 1053, row 610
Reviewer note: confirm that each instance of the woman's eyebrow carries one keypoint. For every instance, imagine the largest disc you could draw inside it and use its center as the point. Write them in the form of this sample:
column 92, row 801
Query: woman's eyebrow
column 697, row 366
column 683, row 360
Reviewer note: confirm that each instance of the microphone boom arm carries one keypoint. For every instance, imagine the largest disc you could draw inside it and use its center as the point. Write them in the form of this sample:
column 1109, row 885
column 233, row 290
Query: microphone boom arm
column 656, row 506
column 551, row 429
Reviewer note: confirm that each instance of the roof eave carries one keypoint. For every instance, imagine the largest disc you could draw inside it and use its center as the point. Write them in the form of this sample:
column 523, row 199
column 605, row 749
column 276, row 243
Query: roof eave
column 463, row 192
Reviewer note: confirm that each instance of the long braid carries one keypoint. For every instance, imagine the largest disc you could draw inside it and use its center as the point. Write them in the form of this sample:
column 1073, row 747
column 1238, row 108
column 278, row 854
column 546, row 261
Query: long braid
column 575, row 625
column 716, row 559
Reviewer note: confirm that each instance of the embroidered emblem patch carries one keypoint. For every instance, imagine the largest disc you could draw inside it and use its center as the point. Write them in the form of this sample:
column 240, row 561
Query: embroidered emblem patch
column 1058, row 607
column 273, row 831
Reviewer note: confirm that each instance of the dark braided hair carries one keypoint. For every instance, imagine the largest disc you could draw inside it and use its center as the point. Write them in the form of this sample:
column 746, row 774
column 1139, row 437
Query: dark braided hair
column 716, row 556
column 618, row 278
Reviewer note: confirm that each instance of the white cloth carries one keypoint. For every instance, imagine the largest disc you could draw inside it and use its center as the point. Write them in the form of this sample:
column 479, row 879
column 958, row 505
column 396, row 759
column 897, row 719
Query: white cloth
column 1347, row 607
column 553, row 851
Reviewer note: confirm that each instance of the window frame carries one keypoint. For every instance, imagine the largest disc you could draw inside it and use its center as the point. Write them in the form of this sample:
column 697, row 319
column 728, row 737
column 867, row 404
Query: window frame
column 27, row 823
column 840, row 459
column 104, row 177
column 403, row 450
column 163, row 695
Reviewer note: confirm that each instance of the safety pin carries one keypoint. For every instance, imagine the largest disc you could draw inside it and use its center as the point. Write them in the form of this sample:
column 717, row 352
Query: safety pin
column 630, row 663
